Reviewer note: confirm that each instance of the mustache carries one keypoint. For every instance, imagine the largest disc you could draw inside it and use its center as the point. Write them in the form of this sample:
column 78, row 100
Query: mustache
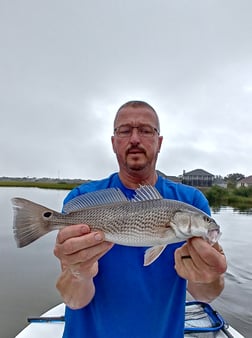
column 132, row 149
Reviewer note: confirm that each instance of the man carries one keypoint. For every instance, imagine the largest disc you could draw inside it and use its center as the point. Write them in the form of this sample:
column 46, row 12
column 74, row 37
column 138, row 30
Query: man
column 107, row 290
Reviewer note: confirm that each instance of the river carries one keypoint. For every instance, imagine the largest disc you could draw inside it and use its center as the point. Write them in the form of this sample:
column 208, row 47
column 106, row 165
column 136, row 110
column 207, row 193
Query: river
column 28, row 275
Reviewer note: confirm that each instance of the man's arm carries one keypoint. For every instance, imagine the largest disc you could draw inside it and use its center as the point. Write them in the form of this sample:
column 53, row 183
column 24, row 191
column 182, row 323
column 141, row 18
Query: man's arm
column 78, row 250
column 203, row 266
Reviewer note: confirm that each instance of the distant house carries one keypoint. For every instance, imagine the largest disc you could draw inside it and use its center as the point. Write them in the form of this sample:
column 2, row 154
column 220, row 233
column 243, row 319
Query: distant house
column 245, row 182
column 220, row 182
column 171, row 178
column 198, row 178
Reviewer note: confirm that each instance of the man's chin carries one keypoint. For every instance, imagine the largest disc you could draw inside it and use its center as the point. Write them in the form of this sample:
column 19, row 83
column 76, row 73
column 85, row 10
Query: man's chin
column 136, row 162
column 135, row 166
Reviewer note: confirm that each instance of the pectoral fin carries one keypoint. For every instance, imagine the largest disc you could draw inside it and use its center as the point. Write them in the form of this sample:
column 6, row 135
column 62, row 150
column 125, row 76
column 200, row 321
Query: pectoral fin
column 152, row 254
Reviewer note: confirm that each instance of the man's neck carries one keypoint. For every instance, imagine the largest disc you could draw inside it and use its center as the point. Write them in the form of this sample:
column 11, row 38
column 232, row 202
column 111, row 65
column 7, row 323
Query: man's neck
column 133, row 181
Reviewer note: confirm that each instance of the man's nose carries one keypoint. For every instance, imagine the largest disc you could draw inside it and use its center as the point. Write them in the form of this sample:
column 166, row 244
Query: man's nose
column 135, row 138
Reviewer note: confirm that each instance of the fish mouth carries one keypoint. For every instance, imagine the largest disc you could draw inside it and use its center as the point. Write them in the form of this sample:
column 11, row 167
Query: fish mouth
column 213, row 235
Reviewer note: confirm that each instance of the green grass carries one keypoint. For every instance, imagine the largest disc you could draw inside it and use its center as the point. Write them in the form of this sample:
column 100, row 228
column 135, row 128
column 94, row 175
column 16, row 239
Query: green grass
column 240, row 198
column 42, row 185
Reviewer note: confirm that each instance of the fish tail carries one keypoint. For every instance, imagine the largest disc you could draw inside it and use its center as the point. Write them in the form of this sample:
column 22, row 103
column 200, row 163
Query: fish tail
column 30, row 222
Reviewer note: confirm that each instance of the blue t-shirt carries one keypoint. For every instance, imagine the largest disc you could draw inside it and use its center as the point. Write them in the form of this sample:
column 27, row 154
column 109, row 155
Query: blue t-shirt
column 133, row 301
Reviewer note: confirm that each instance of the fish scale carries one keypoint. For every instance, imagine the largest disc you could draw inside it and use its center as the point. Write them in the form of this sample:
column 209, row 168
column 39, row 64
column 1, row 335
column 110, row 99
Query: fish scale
column 119, row 225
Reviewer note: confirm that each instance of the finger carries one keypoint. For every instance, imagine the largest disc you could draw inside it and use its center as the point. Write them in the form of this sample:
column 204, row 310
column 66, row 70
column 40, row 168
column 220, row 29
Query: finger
column 96, row 255
column 72, row 231
column 183, row 252
column 183, row 261
column 188, row 262
column 219, row 248
column 212, row 256
column 89, row 255
column 204, row 256
column 208, row 253
column 85, row 241
column 89, row 268
column 195, row 255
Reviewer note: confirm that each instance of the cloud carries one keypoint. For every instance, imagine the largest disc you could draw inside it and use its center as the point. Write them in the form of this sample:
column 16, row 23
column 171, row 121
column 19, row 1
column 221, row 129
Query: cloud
column 67, row 67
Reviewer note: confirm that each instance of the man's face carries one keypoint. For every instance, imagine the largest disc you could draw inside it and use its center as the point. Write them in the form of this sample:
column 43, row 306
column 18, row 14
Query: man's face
column 136, row 151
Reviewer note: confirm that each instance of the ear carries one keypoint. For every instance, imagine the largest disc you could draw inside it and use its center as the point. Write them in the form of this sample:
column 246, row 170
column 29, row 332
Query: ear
column 160, row 141
column 113, row 143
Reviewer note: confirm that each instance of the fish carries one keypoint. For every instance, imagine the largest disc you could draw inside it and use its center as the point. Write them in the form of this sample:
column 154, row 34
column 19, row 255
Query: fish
column 147, row 220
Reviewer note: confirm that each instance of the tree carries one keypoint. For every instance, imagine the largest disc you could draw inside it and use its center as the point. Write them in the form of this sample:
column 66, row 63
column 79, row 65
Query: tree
column 232, row 179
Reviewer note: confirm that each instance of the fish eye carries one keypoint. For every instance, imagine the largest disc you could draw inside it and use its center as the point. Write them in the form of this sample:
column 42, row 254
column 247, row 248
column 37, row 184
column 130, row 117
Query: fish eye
column 207, row 219
column 47, row 214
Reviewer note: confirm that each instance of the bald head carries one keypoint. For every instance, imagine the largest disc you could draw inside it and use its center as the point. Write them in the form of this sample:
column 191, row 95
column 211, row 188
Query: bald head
column 137, row 104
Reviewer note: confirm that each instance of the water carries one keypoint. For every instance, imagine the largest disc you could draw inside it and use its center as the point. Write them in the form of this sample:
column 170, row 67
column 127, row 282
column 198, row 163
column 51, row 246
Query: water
column 28, row 275
column 235, row 303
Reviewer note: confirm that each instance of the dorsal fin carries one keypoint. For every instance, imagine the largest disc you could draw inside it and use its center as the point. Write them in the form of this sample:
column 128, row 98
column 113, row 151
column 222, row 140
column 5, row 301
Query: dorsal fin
column 146, row 192
column 95, row 198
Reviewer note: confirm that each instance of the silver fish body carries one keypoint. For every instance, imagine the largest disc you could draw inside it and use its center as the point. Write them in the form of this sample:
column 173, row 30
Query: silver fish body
column 147, row 220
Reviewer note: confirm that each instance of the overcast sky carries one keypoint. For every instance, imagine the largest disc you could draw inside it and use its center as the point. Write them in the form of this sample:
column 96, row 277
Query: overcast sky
column 66, row 67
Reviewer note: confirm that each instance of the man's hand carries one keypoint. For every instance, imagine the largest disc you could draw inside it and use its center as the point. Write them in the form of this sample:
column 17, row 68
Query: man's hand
column 203, row 266
column 78, row 250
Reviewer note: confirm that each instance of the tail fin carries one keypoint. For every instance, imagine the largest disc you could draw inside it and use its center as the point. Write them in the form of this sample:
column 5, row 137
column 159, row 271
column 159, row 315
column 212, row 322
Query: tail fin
column 31, row 221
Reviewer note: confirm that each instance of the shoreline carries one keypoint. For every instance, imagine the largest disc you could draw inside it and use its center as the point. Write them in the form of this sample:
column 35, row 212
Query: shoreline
column 216, row 196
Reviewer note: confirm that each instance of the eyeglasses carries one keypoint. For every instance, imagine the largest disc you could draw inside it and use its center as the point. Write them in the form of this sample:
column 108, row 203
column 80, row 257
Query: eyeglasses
column 144, row 130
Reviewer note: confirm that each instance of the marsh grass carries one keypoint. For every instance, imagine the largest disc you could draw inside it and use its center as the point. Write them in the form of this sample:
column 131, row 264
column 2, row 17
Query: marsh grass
column 43, row 185
column 240, row 198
